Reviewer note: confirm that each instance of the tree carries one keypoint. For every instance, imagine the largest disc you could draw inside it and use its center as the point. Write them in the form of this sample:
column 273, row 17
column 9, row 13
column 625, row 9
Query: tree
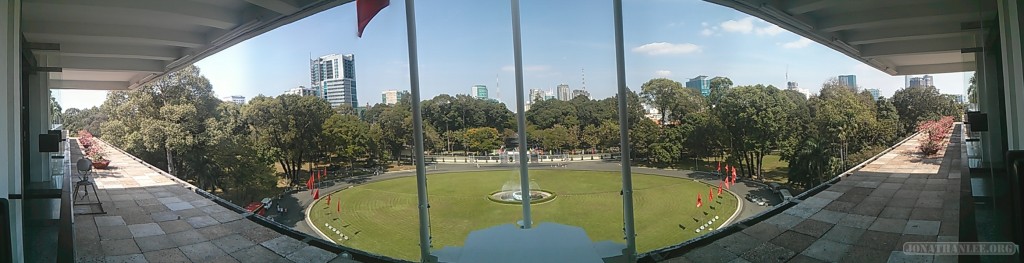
column 755, row 118
column 483, row 139
column 55, row 109
column 972, row 89
column 557, row 137
column 346, row 138
column 719, row 85
column 288, row 127
column 917, row 104
column 166, row 116
column 235, row 160
column 547, row 113
column 662, row 93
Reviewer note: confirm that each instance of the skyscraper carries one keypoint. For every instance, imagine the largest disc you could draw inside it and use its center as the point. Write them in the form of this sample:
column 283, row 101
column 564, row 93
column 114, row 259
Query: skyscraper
column 850, row 81
column 874, row 93
column 925, row 81
column 701, row 84
column 479, row 92
column 537, row 95
column 562, row 92
column 580, row 92
column 391, row 97
column 334, row 76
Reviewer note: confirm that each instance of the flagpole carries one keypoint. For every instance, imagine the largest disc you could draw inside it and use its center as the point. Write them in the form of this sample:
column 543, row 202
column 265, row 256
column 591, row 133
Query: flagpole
column 524, row 173
column 627, row 176
column 417, row 123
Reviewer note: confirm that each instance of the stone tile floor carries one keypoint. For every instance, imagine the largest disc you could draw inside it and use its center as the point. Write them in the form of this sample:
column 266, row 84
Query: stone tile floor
column 899, row 197
column 151, row 218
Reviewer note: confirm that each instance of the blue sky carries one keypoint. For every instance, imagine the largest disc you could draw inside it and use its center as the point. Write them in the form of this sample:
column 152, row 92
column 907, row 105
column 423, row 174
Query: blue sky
column 468, row 42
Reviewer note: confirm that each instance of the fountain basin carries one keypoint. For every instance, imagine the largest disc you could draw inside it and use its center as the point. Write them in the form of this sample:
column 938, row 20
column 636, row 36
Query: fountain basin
column 516, row 196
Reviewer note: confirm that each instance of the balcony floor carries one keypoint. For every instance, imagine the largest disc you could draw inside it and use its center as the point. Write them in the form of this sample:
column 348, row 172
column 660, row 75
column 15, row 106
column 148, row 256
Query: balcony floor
column 866, row 217
column 152, row 218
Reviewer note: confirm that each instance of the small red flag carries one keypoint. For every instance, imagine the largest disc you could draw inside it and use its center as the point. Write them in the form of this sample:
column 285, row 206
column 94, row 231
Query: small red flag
column 711, row 194
column 719, row 169
column 719, row 188
column 367, row 9
column 727, row 183
column 316, row 194
column 339, row 206
column 309, row 182
column 328, row 199
column 699, row 203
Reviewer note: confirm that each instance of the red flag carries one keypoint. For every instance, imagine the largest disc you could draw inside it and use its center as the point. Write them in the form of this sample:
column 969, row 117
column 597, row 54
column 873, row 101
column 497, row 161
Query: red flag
column 719, row 188
column 366, row 9
column 309, row 183
column 719, row 169
column 727, row 183
column 699, row 203
column 328, row 199
column 316, row 194
column 711, row 194
column 339, row 206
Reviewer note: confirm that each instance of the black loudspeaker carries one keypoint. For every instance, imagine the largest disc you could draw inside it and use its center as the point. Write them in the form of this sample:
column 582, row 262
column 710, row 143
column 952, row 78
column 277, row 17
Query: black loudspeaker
column 49, row 143
column 978, row 121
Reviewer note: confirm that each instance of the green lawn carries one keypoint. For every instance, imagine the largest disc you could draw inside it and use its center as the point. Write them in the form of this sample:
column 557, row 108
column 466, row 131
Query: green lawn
column 381, row 217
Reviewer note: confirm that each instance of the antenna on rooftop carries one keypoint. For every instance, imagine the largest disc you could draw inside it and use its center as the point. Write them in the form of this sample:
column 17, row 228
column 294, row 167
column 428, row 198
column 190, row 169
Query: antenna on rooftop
column 497, row 86
column 583, row 77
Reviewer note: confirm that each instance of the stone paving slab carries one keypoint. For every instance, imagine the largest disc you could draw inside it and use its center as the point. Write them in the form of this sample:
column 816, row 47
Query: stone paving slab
column 865, row 217
column 151, row 218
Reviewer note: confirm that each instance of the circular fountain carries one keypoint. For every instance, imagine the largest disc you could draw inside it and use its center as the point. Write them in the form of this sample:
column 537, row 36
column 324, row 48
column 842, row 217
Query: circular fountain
column 512, row 193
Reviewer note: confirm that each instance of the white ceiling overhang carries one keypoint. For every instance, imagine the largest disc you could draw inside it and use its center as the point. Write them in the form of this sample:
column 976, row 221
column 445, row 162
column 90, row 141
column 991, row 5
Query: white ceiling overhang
column 121, row 44
column 899, row 37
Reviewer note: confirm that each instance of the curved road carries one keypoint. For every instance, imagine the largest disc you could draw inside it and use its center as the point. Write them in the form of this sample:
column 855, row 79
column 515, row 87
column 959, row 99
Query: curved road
column 297, row 202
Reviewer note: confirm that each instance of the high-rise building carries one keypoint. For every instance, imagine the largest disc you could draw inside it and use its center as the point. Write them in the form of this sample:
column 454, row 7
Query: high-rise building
column 302, row 91
column 562, row 92
column 334, row 77
column 701, row 84
column 391, row 97
column 479, row 92
column 875, row 93
column 850, row 81
column 580, row 92
column 925, row 81
column 537, row 95
column 236, row 99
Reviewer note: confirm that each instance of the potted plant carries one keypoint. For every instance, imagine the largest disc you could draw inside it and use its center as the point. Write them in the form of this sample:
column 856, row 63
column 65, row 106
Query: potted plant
column 95, row 153
column 85, row 138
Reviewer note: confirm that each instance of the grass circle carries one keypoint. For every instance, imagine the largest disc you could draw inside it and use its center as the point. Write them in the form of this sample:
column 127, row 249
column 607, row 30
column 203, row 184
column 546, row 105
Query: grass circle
column 381, row 217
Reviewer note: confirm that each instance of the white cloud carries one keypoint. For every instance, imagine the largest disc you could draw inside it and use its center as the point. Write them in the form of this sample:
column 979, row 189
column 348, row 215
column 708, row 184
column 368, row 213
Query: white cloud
column 745, row 25
column 770, row 30
column 527, row 68
column 704, row 24
column 664, row 48
column 663, row 73
column 799, row 43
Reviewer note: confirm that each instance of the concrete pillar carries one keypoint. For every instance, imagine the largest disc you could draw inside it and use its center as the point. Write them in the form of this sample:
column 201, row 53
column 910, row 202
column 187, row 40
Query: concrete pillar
column 38, row 123
column 10, row 124
column 1013, row 64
